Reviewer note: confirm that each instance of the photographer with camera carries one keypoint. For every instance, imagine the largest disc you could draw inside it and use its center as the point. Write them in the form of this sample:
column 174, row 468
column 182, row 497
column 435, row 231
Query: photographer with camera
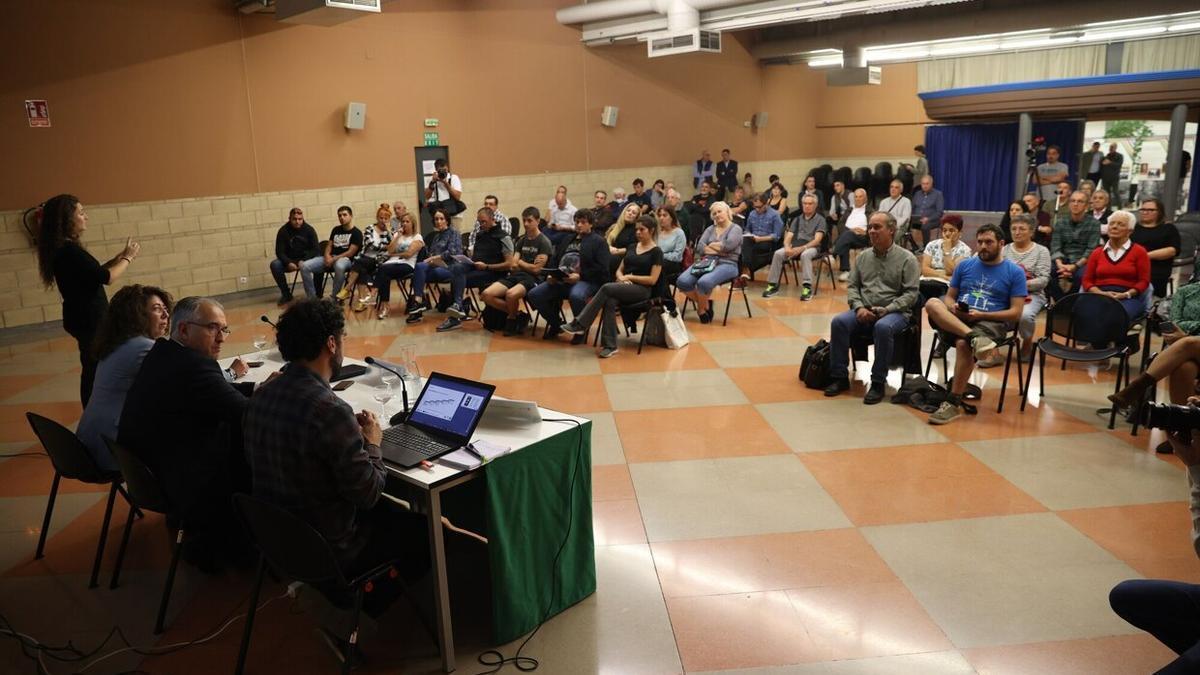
column 444, row 193
column 1170, row 610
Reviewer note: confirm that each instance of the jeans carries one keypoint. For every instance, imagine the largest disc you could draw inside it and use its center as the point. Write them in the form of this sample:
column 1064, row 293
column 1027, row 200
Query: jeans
column 1168, row 610
column 756, row 254
column 307, row 269
column 388, row 273
column 557, row 237
column 463, row 276
column 723, row 272
column 547, row 299
column 1136, row 306
column 806, row 265
column 609, row 300
column 846, row 241
column 279, row 272
column 883, row 332
column 425, row 273
column 1029, row 315
column 340, row 267
column 1055, row 290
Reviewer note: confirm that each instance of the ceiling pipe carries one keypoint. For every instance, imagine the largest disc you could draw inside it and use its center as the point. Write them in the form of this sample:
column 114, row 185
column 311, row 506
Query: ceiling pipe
column 686, row 12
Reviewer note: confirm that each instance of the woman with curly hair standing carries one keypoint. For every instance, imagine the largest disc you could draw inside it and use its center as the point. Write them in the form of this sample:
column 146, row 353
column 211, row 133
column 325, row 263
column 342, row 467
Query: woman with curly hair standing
column 63, row 260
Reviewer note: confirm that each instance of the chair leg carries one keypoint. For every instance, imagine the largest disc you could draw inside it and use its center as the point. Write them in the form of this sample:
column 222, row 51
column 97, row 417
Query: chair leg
column 46, row 518
column 728, row 304
column 116, row 575
column 129, row 500
column 746, row 301
column 166, row 595
column 1042, row 374
column 112, row 497
column 929, row 361
column 1112, row 414
column 1022, row 380
column 348, row 662
column 245, row 648
column 1004, row 382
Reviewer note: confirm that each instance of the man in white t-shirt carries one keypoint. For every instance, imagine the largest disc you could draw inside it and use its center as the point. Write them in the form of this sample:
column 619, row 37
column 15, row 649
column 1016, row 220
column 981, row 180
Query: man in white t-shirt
column 855, row 233
column 444, row 191
column 560, row 219
column 1052, row 172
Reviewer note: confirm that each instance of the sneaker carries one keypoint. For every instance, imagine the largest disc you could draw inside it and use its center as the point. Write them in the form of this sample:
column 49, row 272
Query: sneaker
column 410, row 305
column 844, row 276
column 574, row 328
column 343, row 295
column 579, row 340
column 451, row 323
column 806, row 292
column 946, row 413
column 772, row 289
column 510, row 327
column 284, row 299
column 417, row 307
column 992, row 361
column 982, row 345
column 608, row 353
column 455, row 310
column 875, row 393
column 837, row 386
column 413, row 318
column 552, row 332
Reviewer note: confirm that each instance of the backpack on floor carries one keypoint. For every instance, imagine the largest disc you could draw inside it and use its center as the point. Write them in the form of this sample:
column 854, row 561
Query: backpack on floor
column 493, row 319
column 814, row 367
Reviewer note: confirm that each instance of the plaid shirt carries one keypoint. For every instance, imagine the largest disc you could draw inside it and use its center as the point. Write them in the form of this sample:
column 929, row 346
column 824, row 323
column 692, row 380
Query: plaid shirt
column 1072, row 241
column 306, row 455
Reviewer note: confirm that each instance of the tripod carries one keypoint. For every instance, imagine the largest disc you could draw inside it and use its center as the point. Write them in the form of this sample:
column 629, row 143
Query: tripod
column 1031, row 179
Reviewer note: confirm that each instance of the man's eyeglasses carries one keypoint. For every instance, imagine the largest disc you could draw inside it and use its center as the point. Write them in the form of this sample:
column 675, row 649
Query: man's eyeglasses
column 214, row 326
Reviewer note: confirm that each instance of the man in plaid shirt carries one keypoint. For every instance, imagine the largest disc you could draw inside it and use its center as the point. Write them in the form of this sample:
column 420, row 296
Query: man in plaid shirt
column 1076, row 234
column 312, row 455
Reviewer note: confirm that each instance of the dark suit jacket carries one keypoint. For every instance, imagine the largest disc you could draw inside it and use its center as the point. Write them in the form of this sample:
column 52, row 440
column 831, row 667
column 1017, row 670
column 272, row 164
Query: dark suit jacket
column 727, row 174
column 178, row 418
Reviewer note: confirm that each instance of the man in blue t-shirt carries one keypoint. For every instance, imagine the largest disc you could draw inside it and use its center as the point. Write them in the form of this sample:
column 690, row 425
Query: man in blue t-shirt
column 985, row 298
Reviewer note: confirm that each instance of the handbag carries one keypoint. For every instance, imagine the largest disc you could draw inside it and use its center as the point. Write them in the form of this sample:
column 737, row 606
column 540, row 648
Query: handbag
column 814, row 367
column 654, row 329
column 676, row 332
column 703, row 266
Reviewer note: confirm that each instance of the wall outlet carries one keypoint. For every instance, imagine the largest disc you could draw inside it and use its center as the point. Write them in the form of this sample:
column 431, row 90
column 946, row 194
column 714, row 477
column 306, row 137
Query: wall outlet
column 242, row 281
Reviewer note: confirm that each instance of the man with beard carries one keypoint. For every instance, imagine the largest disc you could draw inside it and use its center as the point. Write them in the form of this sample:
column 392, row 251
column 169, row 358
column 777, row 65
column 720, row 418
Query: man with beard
column 985, row 298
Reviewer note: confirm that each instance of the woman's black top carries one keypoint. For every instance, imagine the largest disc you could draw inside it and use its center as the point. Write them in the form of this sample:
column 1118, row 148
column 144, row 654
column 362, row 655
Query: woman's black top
column 80, row 279
column 640, row 264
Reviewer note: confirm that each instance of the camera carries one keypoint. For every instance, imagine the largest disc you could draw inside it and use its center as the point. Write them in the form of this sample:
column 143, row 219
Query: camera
column 1170, row 417
column 442, row 172
column 1036, row 145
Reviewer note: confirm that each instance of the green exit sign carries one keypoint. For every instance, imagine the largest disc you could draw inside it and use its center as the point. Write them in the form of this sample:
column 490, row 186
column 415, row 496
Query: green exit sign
column 431, row 121
column 431, row 138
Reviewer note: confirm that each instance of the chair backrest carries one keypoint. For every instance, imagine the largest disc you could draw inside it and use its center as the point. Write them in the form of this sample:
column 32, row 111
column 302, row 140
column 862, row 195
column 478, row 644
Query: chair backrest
column 1088, row 317
column 1189, row 235
column 143, row 486
column 844, row 174
column 68, row 454
column 881, row 179
column 291, row 545
column 905, row 175
column 515, row 223
column 862, row 179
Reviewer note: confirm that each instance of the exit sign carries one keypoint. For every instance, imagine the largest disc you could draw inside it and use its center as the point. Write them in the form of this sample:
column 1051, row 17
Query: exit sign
column 431, row 139
column 431, row 121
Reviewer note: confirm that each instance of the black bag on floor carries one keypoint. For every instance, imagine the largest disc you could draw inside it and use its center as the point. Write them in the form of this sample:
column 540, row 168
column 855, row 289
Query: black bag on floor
column 493, row 319
column 654, row 328
column 814, row 368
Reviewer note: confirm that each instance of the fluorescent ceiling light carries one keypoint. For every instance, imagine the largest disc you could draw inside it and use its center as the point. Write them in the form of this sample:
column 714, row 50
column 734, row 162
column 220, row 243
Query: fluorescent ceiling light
column 826, row 62
column 1040, row 43
column 1124, row 33
column 910, row 54
column 1195, row 25
column 951, row 50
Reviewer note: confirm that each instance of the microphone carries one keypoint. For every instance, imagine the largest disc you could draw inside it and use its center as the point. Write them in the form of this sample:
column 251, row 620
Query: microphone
column 267, row 321
column 371, row 360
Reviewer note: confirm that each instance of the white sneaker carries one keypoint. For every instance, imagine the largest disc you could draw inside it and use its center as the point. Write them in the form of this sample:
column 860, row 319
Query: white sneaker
column 844, row 276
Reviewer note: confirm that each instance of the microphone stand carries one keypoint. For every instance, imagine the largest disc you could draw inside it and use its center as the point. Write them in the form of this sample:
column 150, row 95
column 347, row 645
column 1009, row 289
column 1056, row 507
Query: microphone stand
column 267, row 321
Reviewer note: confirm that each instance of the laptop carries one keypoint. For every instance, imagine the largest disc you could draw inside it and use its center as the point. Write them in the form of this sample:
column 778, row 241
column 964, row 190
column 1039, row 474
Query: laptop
column 442, row 420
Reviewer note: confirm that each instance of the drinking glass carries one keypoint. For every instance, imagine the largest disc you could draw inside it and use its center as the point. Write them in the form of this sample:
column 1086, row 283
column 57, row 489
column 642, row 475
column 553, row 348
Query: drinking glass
column 260, row 342
column 383, row 394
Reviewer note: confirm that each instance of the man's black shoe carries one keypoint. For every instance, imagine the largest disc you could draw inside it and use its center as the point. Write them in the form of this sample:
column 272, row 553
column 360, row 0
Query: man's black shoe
column 837, row 386
column 551, row 332
column 875, row 393
column 579, row 339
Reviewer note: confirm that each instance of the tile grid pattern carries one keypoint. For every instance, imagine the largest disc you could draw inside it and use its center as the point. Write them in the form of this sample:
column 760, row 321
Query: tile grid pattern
column 743, row 524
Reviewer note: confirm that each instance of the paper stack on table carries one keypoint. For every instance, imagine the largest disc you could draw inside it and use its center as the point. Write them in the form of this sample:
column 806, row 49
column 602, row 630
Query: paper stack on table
column 464, row 459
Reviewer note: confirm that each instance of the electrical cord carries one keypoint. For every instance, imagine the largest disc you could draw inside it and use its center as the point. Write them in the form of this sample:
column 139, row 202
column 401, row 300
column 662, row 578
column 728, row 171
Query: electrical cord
column 24, row 454
column 492, row 657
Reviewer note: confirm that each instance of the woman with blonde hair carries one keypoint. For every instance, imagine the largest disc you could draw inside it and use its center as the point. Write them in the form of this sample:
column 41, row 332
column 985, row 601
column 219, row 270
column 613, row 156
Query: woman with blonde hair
column 717, row 253
column 375, row 244
column 621, row 235
column 400, row 260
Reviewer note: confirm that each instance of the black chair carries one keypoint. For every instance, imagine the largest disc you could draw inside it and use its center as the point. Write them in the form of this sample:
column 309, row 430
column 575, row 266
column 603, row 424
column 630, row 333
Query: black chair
column 905, row 175
column 1189, row 240
column 728, row 301
column 298, row 552
column 882, row 180
column 1092, row 318
column 147, row 495
column 1012, row 341
column 863, row 179
column 845, row 175
column 71, row 459
column 318, row 278
column 907, row 351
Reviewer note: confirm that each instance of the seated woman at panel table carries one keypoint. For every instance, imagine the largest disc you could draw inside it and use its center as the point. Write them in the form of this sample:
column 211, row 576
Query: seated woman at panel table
column 136, row 317
column 366, row 263
column 637, row 278
column 1120, row 268
column 941, row 256
column 717, row 254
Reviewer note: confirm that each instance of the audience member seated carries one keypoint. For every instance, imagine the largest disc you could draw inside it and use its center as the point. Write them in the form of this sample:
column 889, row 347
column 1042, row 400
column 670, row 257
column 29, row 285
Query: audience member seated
column 1161, row 241
column 992, row 289
column 311, row 454
column 810, row 189
column 398, row 209
column 928, row 205
column 672, row 242
column 882, row 291
column 560, row 218
column 658, row 194
column 1015, row 208
column 1076, row 235
column 443, row 246
column 400, row 262
column 717, row 253
column 701, row 204
column 621, row 236
column 1179, row 363
column 615, row 207
column 1087, row 187
column 805, row 239
column 1120, row 269
column 777, row 198
column 941, row 256
column 492, row 202
column 1101, row 210
column 1059, row 203
column 738, row 205
column 636, row 279
column 375, row 244
column 533, row 250
column 1035, row 260
column 854, row 232
column 600, row 213
column 1170, row 610
column 584, row 262
column 1185, row 311
column 640, row 196
column 899, row 206
column 841, row 203
column 183, row 420
column 674, row 201
column 491, row 261
column 136, row 316
column 295, row 243
column 760, row 237
column 345, row 241
column 1045, row 224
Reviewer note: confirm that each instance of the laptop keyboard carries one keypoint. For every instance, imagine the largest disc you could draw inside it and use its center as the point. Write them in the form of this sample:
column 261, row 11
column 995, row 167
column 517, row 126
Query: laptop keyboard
column 397, row 437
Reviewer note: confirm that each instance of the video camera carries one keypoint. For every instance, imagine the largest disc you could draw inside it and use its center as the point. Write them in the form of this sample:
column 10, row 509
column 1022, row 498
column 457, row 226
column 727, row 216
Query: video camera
column 1170, row 417
column 1036, row 145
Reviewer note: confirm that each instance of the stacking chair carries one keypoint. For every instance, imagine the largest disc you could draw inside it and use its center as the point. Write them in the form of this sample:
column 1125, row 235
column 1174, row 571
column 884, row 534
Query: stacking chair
column 71, row 459
column 1012, row 341
column 907, row 352
column 147, row 495
column 728, row 302
column 1092, row 318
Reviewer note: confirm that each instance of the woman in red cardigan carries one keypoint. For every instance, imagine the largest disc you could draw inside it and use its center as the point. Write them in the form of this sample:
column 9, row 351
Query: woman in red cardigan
column 1120, row 268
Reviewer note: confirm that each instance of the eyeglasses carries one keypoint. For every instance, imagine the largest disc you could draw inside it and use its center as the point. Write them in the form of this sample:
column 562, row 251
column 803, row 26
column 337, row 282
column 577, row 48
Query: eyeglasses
column 1147, row 210
column 214, row 326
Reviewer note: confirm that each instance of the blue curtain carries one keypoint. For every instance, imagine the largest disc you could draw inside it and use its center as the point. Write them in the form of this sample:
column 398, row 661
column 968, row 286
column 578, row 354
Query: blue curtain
column 972, row 164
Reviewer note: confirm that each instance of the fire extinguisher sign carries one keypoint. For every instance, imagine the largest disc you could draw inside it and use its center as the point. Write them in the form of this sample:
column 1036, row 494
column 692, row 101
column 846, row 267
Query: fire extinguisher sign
column 38, row 112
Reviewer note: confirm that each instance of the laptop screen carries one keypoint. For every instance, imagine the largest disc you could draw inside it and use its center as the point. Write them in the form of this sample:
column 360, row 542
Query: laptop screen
column 451, row 405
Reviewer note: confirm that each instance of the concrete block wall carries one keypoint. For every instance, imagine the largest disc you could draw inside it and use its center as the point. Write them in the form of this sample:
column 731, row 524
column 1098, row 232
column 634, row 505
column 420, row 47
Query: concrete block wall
column 224, row 244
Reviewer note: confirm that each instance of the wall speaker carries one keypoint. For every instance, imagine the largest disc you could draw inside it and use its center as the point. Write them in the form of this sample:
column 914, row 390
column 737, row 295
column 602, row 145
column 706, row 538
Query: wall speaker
column 608, row 117
column 356, row 115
